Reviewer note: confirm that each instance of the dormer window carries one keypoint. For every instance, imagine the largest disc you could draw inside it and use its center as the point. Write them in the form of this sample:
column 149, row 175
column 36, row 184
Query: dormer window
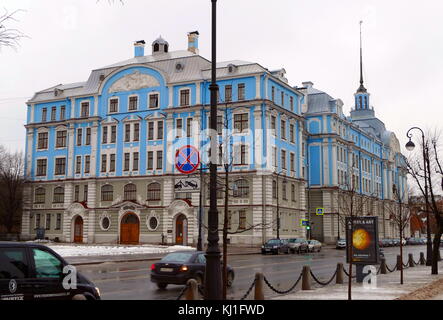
column 156, row 47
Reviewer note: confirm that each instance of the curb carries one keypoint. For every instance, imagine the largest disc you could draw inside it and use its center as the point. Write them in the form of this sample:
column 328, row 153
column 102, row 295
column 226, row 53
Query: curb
column 141, row 259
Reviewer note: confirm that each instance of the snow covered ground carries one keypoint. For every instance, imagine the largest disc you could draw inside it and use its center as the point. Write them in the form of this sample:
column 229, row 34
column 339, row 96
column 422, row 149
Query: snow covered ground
column 73, row 250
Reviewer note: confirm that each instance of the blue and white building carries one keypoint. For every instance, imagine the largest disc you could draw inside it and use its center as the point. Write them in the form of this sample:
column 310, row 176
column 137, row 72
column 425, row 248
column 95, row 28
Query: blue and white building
column 100, row 153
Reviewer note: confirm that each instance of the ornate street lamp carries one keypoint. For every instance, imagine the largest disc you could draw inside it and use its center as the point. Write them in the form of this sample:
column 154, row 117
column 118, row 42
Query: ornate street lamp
column 410, row 146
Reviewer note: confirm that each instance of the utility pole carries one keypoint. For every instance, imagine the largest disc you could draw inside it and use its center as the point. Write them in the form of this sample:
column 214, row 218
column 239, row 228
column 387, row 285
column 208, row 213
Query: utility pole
column 213, row 273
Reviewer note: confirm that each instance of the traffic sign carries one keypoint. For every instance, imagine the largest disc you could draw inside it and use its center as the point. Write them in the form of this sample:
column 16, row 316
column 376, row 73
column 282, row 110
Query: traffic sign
column 304, row 222
column 319, row 211
column 187, row 159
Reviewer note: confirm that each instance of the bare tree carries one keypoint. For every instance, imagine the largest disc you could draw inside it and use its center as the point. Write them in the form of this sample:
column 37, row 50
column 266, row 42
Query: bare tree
column 9, row 37
column 429, row 160
column 11, row 188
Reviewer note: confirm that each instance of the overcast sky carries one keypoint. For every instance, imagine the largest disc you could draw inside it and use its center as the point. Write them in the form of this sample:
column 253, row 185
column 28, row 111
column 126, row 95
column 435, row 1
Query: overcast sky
column 314, row 40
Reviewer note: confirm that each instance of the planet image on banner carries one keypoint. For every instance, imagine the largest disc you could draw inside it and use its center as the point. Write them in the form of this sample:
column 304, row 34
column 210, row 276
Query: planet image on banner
column 361, row 239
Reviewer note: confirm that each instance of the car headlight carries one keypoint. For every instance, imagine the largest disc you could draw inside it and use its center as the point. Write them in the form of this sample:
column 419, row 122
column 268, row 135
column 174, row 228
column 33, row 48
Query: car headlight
column 98, row 291
column 262, row 247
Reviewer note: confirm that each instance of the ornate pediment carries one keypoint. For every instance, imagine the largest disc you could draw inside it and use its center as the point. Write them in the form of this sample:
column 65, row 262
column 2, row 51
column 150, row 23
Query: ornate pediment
column 128, row 205
column 76, row 209
column 134, row 81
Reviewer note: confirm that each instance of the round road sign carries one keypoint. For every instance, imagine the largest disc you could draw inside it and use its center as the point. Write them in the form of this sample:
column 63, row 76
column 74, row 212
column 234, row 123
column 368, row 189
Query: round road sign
column 187, row 159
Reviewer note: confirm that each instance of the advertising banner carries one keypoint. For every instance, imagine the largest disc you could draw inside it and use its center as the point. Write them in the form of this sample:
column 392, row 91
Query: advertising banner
column 364, row 234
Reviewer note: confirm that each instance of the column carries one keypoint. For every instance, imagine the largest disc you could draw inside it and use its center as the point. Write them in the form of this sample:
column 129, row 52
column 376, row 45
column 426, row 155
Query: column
column 92, row 198
column 70, row 160
column 29, row 151
column 94, row 149
column 66, row 227
column 27, row 205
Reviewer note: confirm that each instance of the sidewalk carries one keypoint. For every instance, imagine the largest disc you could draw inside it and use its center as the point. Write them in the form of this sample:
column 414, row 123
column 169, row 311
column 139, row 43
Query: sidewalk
column 90, row 260
column 416, row 280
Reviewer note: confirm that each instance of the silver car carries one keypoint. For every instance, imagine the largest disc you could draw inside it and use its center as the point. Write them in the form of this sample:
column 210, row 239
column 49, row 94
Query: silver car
column 298, row 245
column 314, row 245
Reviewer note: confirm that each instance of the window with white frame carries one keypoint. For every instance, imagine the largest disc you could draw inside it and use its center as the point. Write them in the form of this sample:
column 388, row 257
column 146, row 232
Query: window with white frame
column 41, row 167
column 153, row 100
column 42, row 140
column 241, row 122
column 84, row 113
column 133, row 103
column 60, row 166
column 78, row 164
column 113, row 105
column 185, row 97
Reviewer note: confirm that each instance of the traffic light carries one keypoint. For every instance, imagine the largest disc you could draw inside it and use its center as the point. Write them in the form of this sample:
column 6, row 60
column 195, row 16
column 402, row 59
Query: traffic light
column 308, row 225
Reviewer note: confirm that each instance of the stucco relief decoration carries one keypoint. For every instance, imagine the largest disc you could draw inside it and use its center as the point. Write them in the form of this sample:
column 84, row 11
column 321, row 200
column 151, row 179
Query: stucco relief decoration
column 134, row 81
column 76, row 209
column 103, row 216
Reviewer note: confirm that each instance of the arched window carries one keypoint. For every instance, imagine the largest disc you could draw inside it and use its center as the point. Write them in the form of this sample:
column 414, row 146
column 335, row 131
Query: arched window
column 107, row 193
column 154, row 190
column 166, row 48
column 361, row 102
column 130, row 192
column 242, row 188
column 59, row 195
column 39, row 196
column 156, row 47
column 366, row 102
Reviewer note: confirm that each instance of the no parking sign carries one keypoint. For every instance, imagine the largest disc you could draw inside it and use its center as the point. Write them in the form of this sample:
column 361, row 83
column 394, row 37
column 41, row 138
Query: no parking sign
column 187, row 159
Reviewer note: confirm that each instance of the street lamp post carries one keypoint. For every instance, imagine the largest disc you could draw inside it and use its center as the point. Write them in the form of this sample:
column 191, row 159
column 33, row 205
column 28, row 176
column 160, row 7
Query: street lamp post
column 410, row 146
column 213, row 272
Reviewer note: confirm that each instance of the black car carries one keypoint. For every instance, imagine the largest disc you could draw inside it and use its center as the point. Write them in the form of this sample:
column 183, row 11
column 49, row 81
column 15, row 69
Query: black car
column 180, row 266
column 275, row 246
column 31, row 271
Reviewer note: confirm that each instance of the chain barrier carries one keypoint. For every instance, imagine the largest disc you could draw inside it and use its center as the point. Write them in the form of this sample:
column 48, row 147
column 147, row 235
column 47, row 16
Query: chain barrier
column 249, row 290
column 405, row 266
column 391, row 270
column 379, row 270
column 416, row 263
column 183, row 291
column 320, row 282
column 285, row 291
column 347, row 274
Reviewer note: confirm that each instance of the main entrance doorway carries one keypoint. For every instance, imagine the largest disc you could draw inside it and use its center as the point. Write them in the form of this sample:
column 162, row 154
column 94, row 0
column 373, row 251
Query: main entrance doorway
column 130, row 229
column 181, row 229
column 78, row 230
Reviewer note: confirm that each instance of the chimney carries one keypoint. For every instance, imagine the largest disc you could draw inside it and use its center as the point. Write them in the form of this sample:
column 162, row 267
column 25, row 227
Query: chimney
column 139, row 48
column 193, row 41
column 307, row 84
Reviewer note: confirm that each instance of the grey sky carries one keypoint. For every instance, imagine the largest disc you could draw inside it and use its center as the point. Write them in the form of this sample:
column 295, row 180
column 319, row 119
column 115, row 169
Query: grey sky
column 316, row 40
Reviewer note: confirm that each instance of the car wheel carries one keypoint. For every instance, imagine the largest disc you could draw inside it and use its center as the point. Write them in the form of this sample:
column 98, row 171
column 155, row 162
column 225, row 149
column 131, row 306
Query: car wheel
column 79, row 297
column 287, row 251
column 162, row 286
column 299, row 250
column 230, row 279
column 319, row 249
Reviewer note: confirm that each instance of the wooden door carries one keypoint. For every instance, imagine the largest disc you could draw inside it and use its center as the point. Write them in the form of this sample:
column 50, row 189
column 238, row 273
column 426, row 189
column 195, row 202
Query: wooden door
column 78, row 230
column 179, row 229
column 130, row 229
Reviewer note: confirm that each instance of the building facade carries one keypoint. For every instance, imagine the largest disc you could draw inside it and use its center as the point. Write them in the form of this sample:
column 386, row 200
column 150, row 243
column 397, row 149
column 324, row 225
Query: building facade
column 101, row 154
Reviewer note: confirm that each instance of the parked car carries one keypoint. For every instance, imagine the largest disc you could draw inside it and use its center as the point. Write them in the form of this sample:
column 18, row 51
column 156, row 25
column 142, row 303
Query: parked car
column 314, row 245
column 298, row 245
column 30, row 271
column 180, row 266
column 412, row 241
column 340, row 244
column 275, row 246
column 396, row 242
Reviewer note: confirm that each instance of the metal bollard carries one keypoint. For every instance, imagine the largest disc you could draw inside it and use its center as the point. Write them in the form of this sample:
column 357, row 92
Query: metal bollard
column 259, row 286
column 339, row 277
column 422, row 259
column 399, row 263
column 383, row 269
column 411, row 260
column 306, row 278
column 192, row 291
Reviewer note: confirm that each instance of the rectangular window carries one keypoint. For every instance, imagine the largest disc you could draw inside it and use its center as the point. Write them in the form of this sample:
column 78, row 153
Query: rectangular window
column 292, row 159
column 85, row 109
column 112, row 163
column 228, row 93
column 291, row 102
column 150, row 160
column 53, row 113
column 44, row 114
column 60, row 166
column 43, row 140
column 159, row 160
column 273, row 94
column 292, row 192
column 241, row 91
column 79, row 136
column 126, row 163
column 85, row 193
column 243, row 153
column 179, row 127
column 273, row 124
column 127, row 132
column 62, row 113
column 282, row 99
column 151, row 130
column 76, row 193
column 58, row 224
column 48, row 221
column 283, row 129
column 133, row 103
column 283, row 159
column 241, row 122
column 160, row 130
column 274, row 156
column 135, row 161
column 153, row 101
column 104, row 162
column 41, row 167
column 136, row 132
column 113, row 134
column 291, row 132
column 184, row 97
column 220, row 124
column 37, row 220
column 78, row 164
column 242, row 219
column 189, row 127
column 88, row 137
column 113, row 105
column 105, row 135
column 87, row 164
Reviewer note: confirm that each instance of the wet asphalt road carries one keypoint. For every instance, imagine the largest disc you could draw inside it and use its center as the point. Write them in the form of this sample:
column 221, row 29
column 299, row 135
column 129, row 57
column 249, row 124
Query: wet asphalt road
column 131, row 280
